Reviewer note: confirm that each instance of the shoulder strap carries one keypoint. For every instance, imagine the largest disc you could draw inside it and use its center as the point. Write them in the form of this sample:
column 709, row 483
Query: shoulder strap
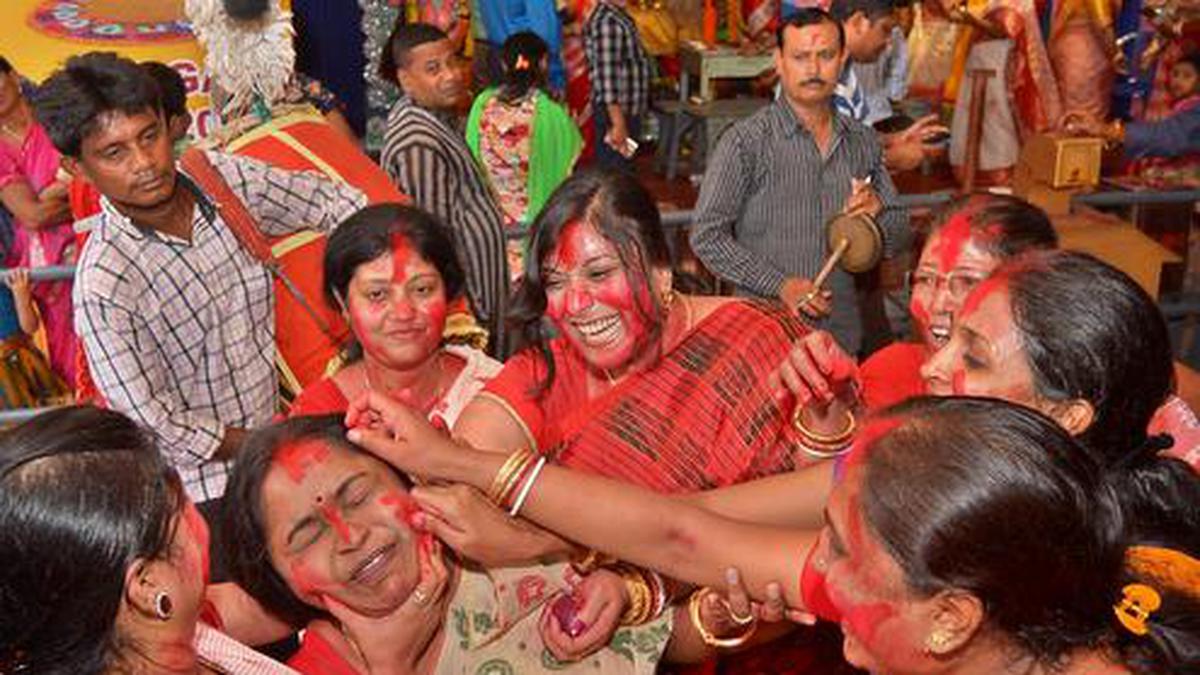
column 244, row 227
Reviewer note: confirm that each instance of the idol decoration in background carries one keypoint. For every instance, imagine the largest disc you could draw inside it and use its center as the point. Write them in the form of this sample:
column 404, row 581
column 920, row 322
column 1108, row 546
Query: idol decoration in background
column 112, row 21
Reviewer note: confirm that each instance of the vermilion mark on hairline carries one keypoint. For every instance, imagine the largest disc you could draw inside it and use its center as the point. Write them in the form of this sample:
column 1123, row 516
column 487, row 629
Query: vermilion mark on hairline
column 297, row 458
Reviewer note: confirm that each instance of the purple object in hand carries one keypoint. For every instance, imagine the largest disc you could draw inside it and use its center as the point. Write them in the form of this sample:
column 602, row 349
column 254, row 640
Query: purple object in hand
column 564, row 610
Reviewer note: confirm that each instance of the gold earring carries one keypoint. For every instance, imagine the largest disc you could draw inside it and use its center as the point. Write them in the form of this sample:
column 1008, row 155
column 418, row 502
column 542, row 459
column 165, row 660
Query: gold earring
column 937, row 642
column 668, row 298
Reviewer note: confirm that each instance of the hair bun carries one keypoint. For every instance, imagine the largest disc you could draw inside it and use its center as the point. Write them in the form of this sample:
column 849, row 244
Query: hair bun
column 1146, row 454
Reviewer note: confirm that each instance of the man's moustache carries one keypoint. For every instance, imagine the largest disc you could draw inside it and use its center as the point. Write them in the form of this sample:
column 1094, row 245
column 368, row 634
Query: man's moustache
column 815, row 80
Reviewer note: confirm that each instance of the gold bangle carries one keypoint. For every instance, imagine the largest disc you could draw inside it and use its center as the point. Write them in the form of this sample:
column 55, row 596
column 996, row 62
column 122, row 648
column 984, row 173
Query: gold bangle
column 641, row 596
column 507, row 476
column 824, row 440
column 590, row 561
column 705, row 634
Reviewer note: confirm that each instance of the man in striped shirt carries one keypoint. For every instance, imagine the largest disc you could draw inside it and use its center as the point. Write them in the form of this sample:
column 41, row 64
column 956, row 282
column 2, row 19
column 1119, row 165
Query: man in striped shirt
column 429, row 161
column 779, row 175
column 175, row 314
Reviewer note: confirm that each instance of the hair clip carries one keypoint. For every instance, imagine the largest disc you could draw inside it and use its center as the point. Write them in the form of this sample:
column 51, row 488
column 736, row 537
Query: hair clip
column 1135, row 608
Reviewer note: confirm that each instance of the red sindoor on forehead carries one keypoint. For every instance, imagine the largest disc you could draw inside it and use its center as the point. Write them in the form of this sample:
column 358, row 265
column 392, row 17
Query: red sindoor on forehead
column 570, row 246
column 401, row 253
column 297, row 458
column 997, row 283
column 954, row 237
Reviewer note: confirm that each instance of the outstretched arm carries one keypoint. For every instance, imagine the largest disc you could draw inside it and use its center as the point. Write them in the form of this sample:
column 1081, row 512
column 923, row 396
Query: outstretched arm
column 648, row 529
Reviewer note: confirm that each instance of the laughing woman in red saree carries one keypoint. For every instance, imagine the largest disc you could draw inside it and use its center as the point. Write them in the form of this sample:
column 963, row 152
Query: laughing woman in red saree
column 623, row 376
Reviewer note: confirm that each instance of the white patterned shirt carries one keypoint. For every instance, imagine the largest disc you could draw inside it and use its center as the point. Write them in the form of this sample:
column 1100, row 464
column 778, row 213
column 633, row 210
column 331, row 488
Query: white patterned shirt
column 179, row 334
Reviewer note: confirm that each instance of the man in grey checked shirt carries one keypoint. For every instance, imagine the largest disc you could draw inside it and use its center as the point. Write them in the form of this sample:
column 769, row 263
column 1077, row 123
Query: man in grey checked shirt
column 776, row 177
column 176, row 317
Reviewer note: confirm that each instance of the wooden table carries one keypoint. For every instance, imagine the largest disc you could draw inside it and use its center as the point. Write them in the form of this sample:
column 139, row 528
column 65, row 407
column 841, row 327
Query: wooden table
column 709, row 63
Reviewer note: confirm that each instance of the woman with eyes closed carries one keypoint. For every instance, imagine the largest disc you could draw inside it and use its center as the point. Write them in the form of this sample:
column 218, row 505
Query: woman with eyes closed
column 939, row 584
column 321, row 533
column 392, row 271
column 970, row 237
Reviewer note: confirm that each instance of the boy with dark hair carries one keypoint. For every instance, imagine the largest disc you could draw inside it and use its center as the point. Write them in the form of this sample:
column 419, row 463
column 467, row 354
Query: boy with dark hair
column 176, row 316
column 174, row 99
column 428, row 159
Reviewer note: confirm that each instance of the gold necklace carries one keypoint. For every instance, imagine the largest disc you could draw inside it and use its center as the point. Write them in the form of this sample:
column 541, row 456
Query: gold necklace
column 438, row 392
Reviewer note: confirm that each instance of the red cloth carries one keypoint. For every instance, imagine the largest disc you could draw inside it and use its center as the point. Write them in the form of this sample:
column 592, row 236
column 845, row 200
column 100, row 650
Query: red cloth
column 320, row 398
column 317, row 657
column 892, row 374
column 702, row 417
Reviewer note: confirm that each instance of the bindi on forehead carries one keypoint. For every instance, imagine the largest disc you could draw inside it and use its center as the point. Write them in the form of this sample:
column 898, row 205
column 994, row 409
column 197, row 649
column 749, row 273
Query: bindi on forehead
column 297, row 459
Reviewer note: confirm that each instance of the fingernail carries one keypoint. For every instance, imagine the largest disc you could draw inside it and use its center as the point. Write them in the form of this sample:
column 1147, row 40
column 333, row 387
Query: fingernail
column 773, row 591
column 731, row 575
column 354, row 435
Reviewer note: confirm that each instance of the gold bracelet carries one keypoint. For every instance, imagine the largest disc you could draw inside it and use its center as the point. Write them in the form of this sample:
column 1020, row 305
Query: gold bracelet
column 508, row 474
column 705, row 634
column 641, row 596
column 824, row 441
column 591, row 561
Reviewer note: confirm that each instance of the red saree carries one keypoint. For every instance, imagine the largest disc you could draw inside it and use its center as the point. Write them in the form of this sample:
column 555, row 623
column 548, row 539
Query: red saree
column 702, row 417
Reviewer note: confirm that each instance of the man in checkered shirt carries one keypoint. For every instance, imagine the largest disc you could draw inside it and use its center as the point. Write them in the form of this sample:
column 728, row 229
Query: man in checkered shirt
column 619, row 71
column 175, row 316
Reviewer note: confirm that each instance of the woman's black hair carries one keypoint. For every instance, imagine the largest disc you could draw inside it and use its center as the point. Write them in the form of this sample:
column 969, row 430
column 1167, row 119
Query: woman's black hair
column 243, row 521
column 1004, row 226
column 521, row 56
column 1092, row 333
column 370, row 232
column 5, row 66
column 403, row 39
column 621, row 210
column 1160, row 497
column 72, row 101
column 998, row 500
column 84, row 492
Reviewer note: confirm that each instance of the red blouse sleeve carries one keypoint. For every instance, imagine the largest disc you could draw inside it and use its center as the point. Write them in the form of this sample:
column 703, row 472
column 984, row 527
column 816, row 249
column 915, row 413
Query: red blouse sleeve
column 892, row 375
column 320, row 398
column 317, row 657
column 517, row 387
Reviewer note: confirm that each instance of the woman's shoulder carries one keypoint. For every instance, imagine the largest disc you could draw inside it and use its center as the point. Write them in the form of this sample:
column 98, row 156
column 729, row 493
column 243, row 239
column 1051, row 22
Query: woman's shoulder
column 320, row 398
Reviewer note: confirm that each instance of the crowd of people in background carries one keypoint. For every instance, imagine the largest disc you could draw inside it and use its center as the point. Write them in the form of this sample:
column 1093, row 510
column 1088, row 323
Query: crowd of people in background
column 456, row 408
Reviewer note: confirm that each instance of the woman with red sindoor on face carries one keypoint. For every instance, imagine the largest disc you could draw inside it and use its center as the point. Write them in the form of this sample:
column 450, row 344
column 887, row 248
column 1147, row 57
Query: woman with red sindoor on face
column 392, row 271
column 1024, row 553
column 104, row 561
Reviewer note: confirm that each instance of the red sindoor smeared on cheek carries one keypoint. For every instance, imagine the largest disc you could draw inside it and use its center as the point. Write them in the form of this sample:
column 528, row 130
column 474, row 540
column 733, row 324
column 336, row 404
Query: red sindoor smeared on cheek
column 815, row 591
column 304, row 579
column 958, row 382
column 864, row 618
column 297, row 458
column 997, row 283
column 404, row 508
column 920, row 313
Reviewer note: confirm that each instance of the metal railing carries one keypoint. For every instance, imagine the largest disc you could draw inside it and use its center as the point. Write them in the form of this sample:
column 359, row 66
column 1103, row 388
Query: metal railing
column 1175, row 308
